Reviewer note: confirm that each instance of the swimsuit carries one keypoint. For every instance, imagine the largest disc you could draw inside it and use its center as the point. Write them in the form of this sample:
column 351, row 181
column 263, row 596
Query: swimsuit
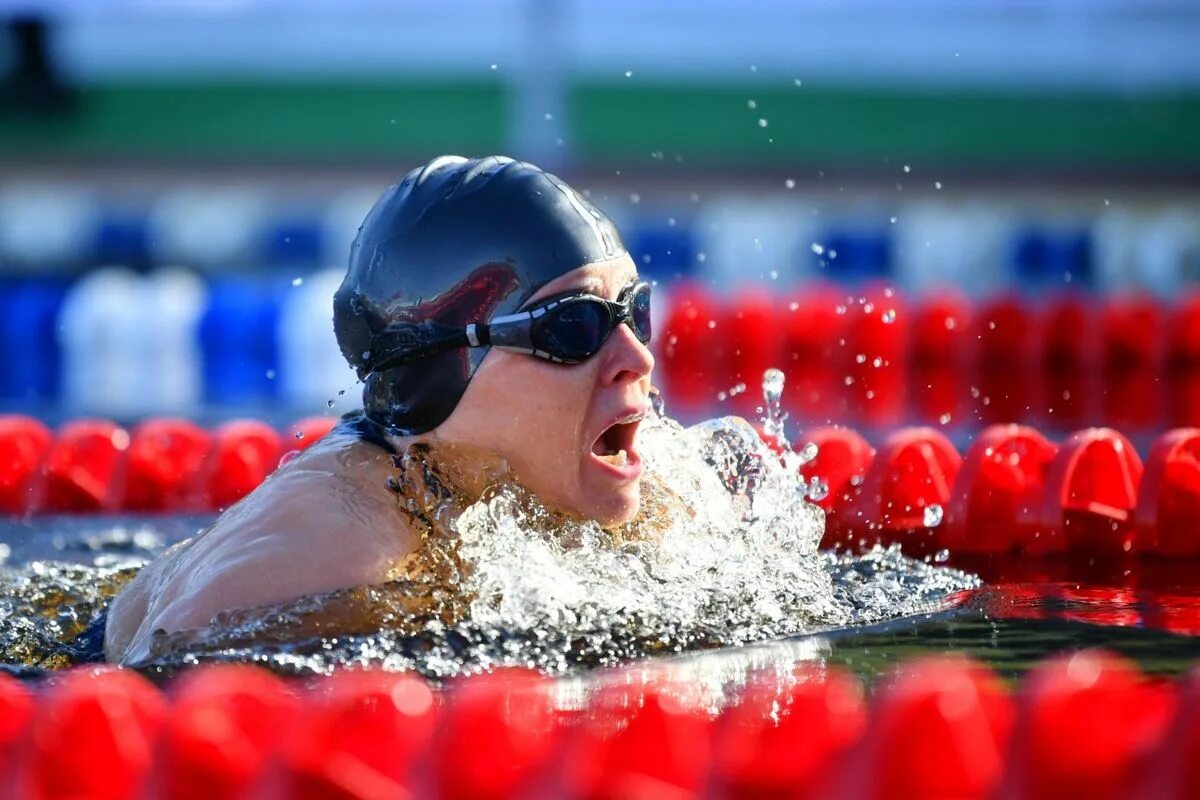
column 366, row 429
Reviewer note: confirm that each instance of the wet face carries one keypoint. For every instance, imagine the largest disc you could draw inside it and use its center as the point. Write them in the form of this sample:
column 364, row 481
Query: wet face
column 563, row 428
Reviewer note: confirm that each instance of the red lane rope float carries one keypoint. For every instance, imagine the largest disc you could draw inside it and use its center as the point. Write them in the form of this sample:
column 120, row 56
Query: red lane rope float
column 1183, row 362
column 1089, row 724
column 165, row 460
column 93, row 736
column 939, row 347
column 1091, row 494
column 243, row 454
column 1086, row 722
column 1173, row 771
column 940, row 730
column 361, row 734
column 810, row 331
column 497, row 737
column 1069, row 362
column 16, row 712
column 787, row 741
column 751, row 334
column 692, row 349
column 24, row 444
column 1169, row 497
column 1005, row 331
column 85, row 466
column 996, row 504
column 226, row 721
column 641, row 740
column 904, row 493
column 1132, row 333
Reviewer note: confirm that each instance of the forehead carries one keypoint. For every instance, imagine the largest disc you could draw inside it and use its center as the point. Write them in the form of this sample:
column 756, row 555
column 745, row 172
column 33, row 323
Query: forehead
column 603, row 279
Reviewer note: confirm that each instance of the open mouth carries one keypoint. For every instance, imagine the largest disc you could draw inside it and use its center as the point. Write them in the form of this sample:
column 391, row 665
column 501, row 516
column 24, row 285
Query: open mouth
column 616, row 445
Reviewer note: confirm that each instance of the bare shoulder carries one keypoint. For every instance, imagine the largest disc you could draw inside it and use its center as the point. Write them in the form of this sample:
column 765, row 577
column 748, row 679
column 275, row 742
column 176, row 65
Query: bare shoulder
column 325, row 521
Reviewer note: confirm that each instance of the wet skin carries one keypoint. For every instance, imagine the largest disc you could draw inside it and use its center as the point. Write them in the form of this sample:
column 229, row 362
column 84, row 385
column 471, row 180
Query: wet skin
column 328, row 521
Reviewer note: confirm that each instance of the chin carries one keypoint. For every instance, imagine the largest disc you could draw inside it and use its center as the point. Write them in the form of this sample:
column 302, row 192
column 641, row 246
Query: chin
column 618, row 509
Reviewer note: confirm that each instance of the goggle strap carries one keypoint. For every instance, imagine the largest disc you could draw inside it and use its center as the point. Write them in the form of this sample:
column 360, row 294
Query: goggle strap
column 404, row 342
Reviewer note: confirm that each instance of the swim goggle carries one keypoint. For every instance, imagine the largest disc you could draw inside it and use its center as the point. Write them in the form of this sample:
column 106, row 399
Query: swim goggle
column 565, row 329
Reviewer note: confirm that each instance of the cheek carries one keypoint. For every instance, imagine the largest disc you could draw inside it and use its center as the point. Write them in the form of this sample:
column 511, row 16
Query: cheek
column 536, row 410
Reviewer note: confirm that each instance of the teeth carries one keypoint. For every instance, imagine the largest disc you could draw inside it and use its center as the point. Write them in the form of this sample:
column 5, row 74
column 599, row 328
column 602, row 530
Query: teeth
column 619, row 458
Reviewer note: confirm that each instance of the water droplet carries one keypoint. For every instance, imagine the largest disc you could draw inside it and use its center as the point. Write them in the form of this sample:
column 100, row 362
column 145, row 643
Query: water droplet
column 818, row 489
column 807, row 453
column 762, row 123
column 297, row 281
column 299, row 434
column 797, row 82
column 789, row 183
column 889, row 316
column 818, row 248
column 341, row 392
column 944, row 419
column 750, row 104
column 937, row 184
column 270, row 374
column 907, row 168
column 329, row 403
column 549, row 116
column 628, row 73
column 933, row 515
column 635, row 198
column 657, row 403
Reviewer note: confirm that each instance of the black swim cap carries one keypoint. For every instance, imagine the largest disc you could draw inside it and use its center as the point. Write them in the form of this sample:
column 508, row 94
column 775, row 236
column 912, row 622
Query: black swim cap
column 458, row 241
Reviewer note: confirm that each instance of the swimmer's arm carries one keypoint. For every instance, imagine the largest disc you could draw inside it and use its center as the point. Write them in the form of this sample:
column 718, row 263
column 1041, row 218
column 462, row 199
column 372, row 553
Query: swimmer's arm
column 263, row 578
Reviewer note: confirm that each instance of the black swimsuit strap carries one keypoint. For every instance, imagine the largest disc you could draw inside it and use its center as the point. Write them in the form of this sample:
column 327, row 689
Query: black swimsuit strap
column 367, row 430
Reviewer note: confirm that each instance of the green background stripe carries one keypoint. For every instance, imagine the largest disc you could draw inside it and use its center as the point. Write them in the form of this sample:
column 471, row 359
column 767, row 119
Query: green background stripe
column 824, row 125
column 331, row 121
column 621, row 122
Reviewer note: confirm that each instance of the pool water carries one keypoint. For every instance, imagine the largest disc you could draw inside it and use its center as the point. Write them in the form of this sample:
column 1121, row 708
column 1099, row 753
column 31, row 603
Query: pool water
column 732, row 583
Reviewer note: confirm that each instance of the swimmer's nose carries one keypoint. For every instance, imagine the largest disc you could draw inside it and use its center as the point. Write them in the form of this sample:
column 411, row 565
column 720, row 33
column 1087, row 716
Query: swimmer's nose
column 626, row 360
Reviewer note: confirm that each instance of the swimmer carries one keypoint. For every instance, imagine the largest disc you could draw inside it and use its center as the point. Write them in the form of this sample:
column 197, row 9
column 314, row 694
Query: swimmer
column 499, row 328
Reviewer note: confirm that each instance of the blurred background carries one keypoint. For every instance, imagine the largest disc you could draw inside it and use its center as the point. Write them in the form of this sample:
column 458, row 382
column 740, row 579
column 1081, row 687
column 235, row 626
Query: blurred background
column 925, row 211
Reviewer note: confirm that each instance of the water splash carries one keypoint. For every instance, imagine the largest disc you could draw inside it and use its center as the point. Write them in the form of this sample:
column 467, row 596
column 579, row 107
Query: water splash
column 773, row 422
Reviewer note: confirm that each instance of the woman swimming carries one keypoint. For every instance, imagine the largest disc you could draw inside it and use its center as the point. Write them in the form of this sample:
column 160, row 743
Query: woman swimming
column 500, row 329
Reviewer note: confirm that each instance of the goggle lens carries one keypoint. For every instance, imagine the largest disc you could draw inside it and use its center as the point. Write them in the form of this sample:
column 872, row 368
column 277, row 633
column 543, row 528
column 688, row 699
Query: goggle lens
column 576, row 331
column 639, row 312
